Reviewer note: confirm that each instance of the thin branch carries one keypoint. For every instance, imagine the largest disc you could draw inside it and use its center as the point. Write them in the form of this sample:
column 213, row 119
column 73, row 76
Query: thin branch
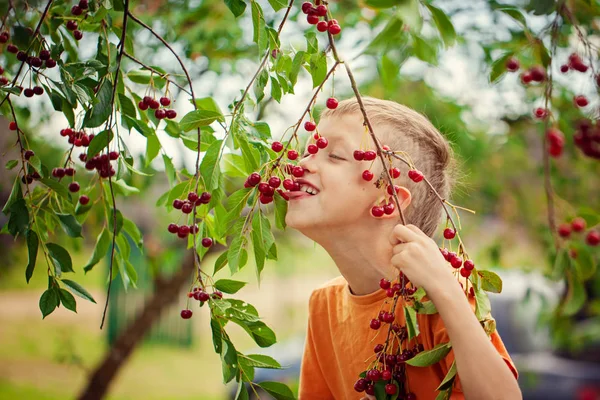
column 164, row 76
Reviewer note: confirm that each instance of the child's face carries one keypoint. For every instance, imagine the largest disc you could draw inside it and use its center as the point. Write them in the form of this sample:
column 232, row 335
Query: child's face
column 345, row 198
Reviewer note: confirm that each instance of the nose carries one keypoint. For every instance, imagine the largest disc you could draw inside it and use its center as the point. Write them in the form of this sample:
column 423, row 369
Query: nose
column 309, row 163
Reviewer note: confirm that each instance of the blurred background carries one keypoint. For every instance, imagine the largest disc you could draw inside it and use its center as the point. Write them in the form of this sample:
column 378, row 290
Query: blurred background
column 492, row 130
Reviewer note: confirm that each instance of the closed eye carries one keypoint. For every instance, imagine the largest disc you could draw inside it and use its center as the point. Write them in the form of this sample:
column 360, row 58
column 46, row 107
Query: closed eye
column 331, row 155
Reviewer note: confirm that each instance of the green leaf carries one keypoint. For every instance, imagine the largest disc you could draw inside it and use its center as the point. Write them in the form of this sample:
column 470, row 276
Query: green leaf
column 140, row 126
column 32, row 249
column 209, row 168
column 498, row 67
column 111, row 221
column 217, row 338
column 196, row 119
column 259, row 85
column 262, row 361
column 48, row 302
column 430, row 357
column 449, row 378
column 275, row 90
column 10, row 164
column 262, row 238
column 209, row 104
column 169, row 169
column 229, row 360
column 56, row 186
column 277, row 390
column 278, row 4
column 70, row 225
column 61, row 256
column 134, row 232
column 490, row 281
column 585, row 263
column 121, row 187
column 297, row 64
column 19, row 217
column 514, row 13
column 412, row 325
column 221, row 262
column 36, row 163
column 99, row 143
column 444, row 25
column 15, row 194
column 258, row 24
column 541, row 53
column 237, row 7
column 424, row 51
column 229, row 286
column 482, row 303
column 312, row 44
column 234, row 254
column 127, row 107
column 444, row 394
column 102, row 244
column 68, row 300
column 242, row 392
column 318, row 68
column 144, row 76
column 426, row 307
column 246, row 370
column 388, row 70
column 381, row 3
column 280, row 211
column 152, row 148
column 102, row 109
column 576, row 295
column 259, row 331
column 77, row 289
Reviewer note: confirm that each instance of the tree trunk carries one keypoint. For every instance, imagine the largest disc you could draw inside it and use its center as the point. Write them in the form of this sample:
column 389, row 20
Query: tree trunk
column 165, row 293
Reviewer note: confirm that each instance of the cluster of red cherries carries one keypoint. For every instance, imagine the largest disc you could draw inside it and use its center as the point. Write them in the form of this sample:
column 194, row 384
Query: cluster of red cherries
column 77, row 138
column 315, row 12
column 77, row 10
column 187, row 206
column 390, row 365
column 454, row 259
column 159, row 113
column 101, row 163
column 202, row 296
column 578, row 225
column 587, row 138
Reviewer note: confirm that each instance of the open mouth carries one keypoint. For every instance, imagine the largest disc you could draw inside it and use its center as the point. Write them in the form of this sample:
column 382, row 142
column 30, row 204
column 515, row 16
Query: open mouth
column 308, row 189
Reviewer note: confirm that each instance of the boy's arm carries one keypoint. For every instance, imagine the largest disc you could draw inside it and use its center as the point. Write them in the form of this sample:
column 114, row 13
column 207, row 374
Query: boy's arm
column 484, row 374
column 312, row 380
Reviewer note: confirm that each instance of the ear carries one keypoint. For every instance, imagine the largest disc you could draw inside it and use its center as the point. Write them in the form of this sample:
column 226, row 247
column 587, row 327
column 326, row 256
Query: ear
column 404, row 197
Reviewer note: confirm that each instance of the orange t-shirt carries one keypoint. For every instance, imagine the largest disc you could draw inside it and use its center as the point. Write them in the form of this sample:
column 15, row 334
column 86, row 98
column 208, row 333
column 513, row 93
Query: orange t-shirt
column 339, row 341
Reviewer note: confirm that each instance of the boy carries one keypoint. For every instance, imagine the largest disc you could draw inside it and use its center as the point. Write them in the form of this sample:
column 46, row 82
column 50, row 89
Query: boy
column 366, row 249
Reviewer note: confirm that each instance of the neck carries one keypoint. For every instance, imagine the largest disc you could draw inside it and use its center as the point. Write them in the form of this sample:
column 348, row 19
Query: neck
column 362, row 254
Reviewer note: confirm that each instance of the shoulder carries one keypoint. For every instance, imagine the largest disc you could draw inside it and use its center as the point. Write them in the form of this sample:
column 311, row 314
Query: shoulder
column 327, row 291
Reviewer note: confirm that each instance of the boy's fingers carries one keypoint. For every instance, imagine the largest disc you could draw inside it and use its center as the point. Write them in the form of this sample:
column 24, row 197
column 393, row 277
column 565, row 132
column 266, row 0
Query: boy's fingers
column 403, row 234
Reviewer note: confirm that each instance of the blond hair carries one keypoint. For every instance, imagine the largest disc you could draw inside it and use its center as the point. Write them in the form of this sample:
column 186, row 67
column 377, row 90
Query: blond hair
column 402, row 128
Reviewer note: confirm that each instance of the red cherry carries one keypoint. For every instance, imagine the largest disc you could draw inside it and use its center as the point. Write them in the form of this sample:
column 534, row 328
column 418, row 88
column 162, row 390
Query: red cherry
column 69, row 171
column 449, row 233
column 71, row 25
column 187, row 207
column 395, row 172
column 581, row 101
column 578, row 224
column 332, row 103
column 321, row 10
column 384, row 284
column 74, row 187
column 306, row 7
column 456, row 262
column 469, row 265
column 415, row 175
column 165, row 101
column 377, row 211
column 512, row 64
column 389, row 189
column 526, row 78
column 160, row 114
column 555, row 137
column 564, row 68
column 312, row 19
column 389, row 208
column 207, row 242
column 370, row 389
column 322, row 26
column 359, row 155
column 288, row 184
column 76, row 10
column 113, row 155
column 264, row 199
column 593, row 238
column 390, row 388
column 370, row 155
column 465, row 272
column 310, row 126
column 375, row 324
column 173, row 228
column 335, row 29
column 312, row 149
column 274, row 182
column 28, row 154
column 555, row 151
column 83, row 200
column 77, row 34
column 367, row 175
column 186, row 314
column 538, row 73
column 298, row 171
column 12, row 126
column 254, row 179
column 171, row 114
column 50, row 63
column 154, row 104
column 192, row 196
column 276, row 147
column 322, row 143
column 183, row 230
column 540, row 112
column 564, row 230
column 292, row 154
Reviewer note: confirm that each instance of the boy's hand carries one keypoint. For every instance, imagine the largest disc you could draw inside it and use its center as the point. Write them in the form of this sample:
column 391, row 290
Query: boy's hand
column 419, row 258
